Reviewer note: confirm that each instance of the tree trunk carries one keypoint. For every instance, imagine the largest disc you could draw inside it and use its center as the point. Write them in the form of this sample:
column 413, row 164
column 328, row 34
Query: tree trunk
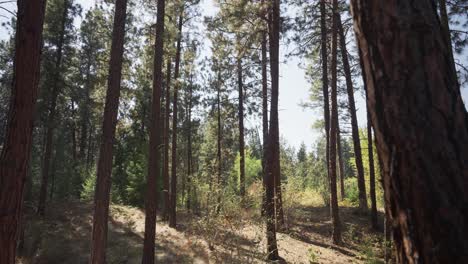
column 374, row 219
column 166, row 142
column 173, row 208
column 104, row 169
column 85, row 112
column 189, row 143
column 155, row 141
column 273, row 162
column 326, row 100
column 264, row 115
column 336, row 235
column 218, row 153
column 241, row 127
column 341, row 161
column 421, row 127
column 14, row 159
column 354, row 122
column 50, row 123
column 273, row 143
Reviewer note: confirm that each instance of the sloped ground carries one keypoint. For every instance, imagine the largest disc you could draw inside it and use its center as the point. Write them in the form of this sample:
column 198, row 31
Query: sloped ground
column 63, row 237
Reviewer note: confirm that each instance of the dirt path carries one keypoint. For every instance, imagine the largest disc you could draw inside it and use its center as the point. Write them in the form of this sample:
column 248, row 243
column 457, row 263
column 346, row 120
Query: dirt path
column 63, row 237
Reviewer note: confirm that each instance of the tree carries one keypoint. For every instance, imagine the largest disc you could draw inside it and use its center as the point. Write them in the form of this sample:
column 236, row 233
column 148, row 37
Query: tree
column 14, row 159
column 273, row 159
column 59, row 41
column 167, row 103
column 155, row 138
column 336, row 235
column 352, row 112
column 104, row 170
column 324, row 56
column 173, row 197
column 421, row 127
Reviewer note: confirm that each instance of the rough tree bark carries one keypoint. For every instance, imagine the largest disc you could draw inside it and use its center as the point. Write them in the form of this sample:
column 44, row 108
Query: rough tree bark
column 420, row 125
column 336, row 234
column 52, row 111
column 273, row 162
column 104, row 169
column 352, row 112
column 14, row 159
column 241, row 126
column 173, row 200
column 155, row 138
column 167, row 115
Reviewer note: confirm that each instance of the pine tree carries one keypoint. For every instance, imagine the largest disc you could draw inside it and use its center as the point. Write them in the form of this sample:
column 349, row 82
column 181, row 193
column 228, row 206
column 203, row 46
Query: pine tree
column 104, row 169
column 155, row 140
column 336, row 235
column 17, row 146
column 421, row 127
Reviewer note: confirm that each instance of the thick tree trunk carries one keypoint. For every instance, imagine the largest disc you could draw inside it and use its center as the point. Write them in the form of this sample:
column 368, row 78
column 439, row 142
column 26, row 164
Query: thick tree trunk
column 374, row 219
column 241, row 127
column 154, row 157
column 273, row 162
column 104, row 169
column 167, row 106
column 326, row 100
column 173, row 208
column 354, row 122
column 341, row 161
column 14, row 159
column 50, row 123
column 421, row 127
column 336, row 235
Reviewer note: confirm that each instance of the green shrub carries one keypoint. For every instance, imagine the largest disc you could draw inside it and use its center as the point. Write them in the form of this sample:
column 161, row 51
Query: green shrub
column 352, row 191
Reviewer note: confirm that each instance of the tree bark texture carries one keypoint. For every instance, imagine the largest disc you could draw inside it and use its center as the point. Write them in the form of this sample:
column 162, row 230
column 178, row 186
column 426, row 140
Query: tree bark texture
column 420, row 125
column 15, row 155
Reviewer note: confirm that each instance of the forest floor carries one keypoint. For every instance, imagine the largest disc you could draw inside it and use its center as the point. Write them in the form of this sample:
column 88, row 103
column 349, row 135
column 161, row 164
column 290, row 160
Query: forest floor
column 63, row 236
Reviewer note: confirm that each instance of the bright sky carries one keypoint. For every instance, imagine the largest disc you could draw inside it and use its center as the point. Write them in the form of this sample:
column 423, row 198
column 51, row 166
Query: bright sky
column 295, row 122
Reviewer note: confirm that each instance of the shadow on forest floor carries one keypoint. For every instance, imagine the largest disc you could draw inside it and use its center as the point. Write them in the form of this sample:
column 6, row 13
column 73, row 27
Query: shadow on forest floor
column 63, row 236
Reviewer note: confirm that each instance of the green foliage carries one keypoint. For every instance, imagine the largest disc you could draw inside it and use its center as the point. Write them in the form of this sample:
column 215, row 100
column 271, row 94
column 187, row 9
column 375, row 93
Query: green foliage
column 313, row 258
column 89, row 185
column 352, row 191
column 253, row 168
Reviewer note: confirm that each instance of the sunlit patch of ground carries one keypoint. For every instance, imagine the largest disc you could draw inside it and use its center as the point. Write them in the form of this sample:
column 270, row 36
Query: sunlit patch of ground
column 63, row 236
